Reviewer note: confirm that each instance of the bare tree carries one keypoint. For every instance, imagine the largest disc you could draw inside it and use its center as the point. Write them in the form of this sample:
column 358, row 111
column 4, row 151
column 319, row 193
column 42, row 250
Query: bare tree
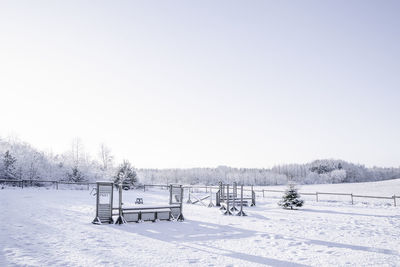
column 105, row 157
column 76, row 151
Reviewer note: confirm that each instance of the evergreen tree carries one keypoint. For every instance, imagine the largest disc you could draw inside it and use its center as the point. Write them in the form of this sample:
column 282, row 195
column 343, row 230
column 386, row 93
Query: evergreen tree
column 291, row 198
column 76, row 175
column 126, row 175
column 9, row 171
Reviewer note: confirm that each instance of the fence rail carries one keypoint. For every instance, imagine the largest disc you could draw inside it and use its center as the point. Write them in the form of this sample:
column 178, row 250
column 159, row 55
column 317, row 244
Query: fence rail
column 263, row 191
column 316, row 194
column 22, row 183
column 26, row 183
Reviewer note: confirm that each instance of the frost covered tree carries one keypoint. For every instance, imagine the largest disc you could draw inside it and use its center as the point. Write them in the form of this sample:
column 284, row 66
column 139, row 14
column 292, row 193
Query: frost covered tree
column 25, row 162
column 75, row 175
column 126, row 175
column 9, row 171
column 77, row 151
column 291, row 198
column 105, row 157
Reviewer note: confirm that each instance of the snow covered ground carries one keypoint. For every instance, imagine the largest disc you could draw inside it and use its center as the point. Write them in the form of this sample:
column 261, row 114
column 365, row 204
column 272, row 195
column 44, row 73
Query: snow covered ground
column 40, row 227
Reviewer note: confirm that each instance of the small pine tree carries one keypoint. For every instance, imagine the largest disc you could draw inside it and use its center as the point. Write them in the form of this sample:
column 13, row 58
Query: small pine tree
column 126, row 175
column 291, row 198
column 76, row 175
column 9, row 171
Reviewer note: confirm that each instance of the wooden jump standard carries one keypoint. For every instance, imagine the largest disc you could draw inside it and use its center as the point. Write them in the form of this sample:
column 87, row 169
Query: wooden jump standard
column 223, row 196
column 225, row 205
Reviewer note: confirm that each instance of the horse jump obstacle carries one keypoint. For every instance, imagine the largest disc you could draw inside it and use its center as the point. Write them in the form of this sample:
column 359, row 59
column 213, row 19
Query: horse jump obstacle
column 223, row 196
column 104, row 207
column 225, row 205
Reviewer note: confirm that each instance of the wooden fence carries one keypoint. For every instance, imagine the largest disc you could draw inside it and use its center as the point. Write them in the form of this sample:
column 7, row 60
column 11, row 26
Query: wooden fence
column 26, row 183
column 316, row 194
column 55, row 184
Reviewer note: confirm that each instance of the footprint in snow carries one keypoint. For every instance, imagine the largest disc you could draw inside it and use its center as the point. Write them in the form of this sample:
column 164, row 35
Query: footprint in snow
column 192, row 261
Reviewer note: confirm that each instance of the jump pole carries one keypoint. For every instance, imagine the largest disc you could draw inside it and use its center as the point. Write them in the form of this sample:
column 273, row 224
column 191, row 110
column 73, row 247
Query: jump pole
column 253, row 197
column 121, row 219
column 227, row 212
column 210, row 205
column 180, row 217
column 234, row 197
column 222, row 196
column 189, row 201
column 241, row 212
column 223, row 192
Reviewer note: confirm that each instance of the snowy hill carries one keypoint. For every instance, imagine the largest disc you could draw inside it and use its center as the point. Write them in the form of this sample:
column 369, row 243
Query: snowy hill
column 381, row 188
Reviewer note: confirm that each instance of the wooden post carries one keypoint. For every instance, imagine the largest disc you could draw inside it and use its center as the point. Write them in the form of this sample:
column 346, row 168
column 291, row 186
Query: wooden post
column 316, row 195
column 241, row 212
column 227, row 197
column 394, row 200
column 181, row 218
column 223, row 193
column 211, row 203
column 263, row 193
column 352, row 202
column 253, row 197
column 120, row 199
column 189, row 201
column 144, row 188
column 56, row 185
column 170, row 194
column 121, row 219
column 87, row 186
column 227, row 212
column 234, row 197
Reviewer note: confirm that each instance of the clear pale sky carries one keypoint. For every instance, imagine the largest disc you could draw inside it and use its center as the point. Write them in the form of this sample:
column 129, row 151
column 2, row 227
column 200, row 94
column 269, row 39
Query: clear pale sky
column 204, row 83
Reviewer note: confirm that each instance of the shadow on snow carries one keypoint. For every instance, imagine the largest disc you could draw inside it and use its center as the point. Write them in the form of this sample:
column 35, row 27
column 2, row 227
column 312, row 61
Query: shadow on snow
column 196, row 232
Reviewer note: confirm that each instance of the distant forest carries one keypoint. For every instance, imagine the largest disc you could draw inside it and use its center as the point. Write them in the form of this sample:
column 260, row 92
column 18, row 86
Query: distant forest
column 20, row 161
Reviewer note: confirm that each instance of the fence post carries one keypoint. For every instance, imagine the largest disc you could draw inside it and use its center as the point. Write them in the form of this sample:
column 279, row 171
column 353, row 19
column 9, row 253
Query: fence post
column 144, row 188
column 57, row 185
column 352, row 203
column 316, row 195
column 394, row 200
column 22, row 184
column 263, row 193
column 87, row 186
column 189, row 201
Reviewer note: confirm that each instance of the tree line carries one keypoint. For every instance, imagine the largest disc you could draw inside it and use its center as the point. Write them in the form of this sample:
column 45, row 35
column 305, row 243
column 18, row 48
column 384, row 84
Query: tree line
column 20, row 161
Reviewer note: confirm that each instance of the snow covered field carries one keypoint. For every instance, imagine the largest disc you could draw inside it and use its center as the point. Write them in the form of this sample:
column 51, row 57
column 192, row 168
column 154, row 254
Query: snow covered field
column 41, row 227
